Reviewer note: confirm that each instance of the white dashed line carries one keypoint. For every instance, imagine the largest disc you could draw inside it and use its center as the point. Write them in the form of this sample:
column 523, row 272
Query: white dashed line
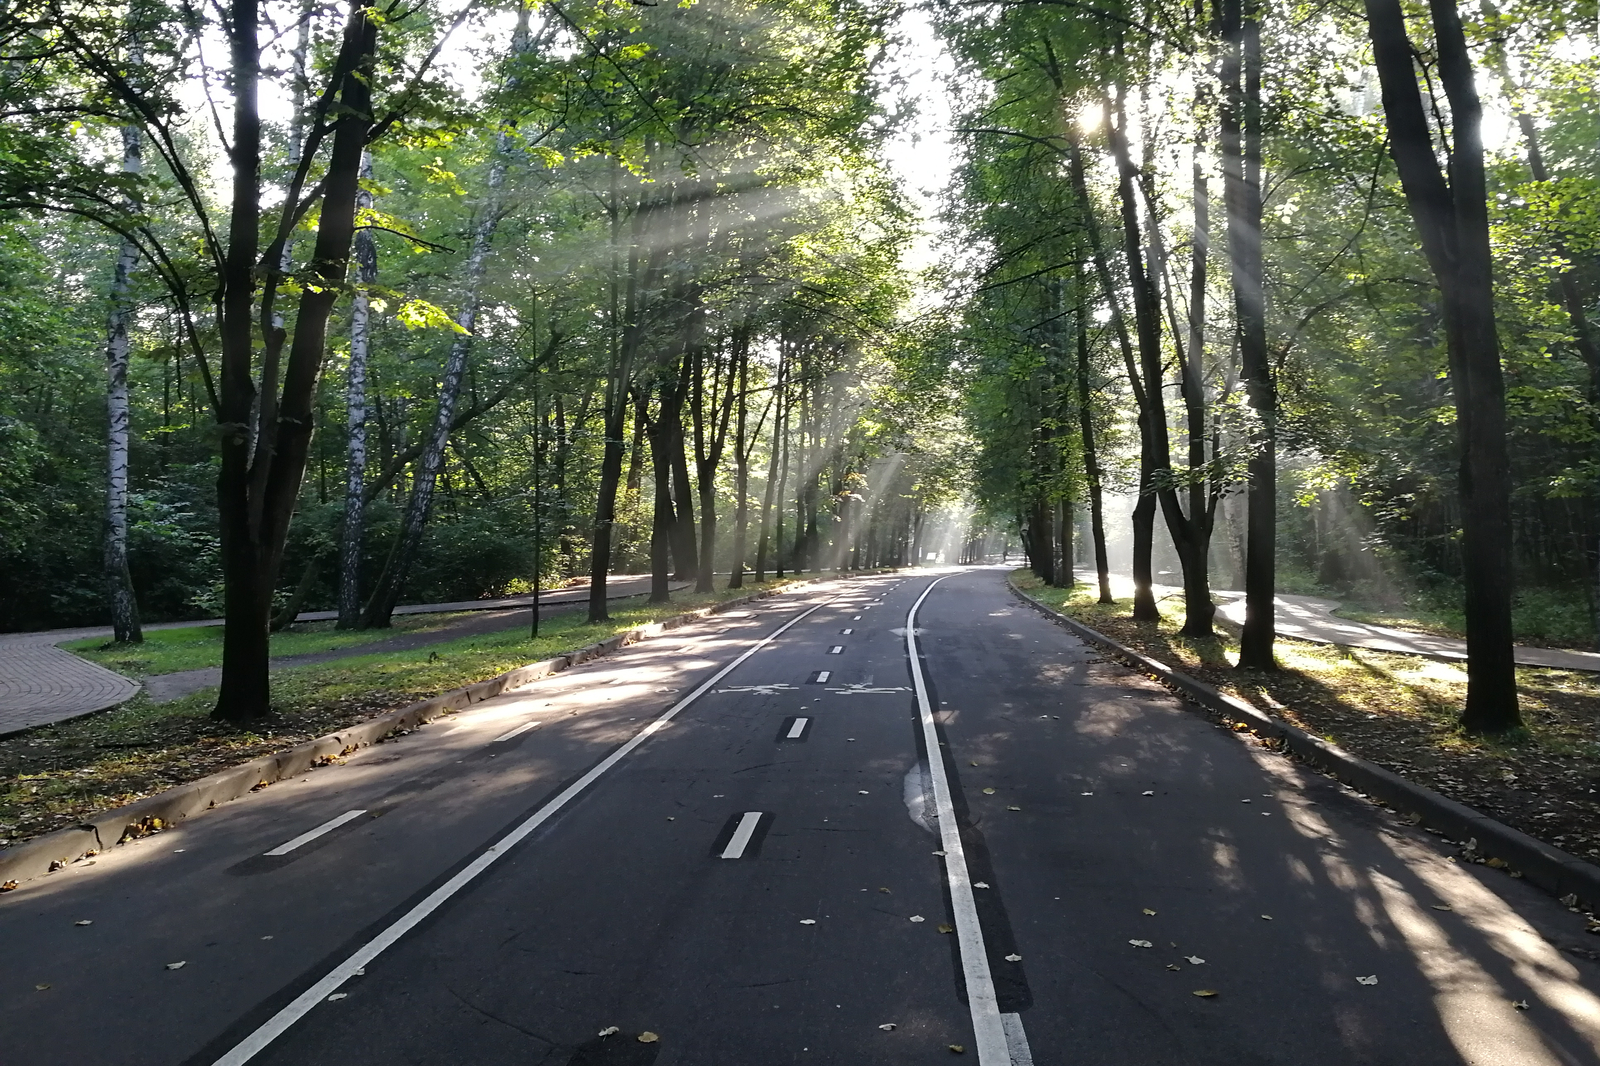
column 836, row 649
column 798, row 728
column 508, row 734
column 846, row 632
column 741, row 835
column 306, row 1001
column 306, row 838
column 822, row 676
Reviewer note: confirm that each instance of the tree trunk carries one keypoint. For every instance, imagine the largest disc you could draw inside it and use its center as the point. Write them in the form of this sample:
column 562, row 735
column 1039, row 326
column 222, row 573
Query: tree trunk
column 391, row 583
column 1144, row 604
column 119, row 583
column 1199, row 609
column 1452, row 220
column 353, row 534
column 1091, row 460
column 1241, row 169
column 741, row 467
column 779, row 417
column 259, row 479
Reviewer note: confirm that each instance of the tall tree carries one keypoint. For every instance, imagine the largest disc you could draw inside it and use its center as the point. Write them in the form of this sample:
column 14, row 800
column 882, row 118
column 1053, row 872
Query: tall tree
column 1450, row 210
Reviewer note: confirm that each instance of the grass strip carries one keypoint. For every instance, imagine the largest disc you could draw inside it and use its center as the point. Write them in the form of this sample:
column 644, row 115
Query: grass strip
column 57, row 775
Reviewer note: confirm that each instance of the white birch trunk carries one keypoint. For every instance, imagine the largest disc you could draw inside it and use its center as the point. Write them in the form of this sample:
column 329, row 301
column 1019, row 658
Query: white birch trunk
column 119, row 583
column 366, row 256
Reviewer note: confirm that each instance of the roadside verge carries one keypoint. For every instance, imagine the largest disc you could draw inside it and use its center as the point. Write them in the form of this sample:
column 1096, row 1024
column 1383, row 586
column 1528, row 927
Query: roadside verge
column 55, row 850
column 1564, row 875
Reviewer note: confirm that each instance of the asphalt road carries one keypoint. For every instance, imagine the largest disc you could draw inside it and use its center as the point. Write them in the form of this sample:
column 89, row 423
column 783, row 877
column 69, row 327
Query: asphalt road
column 668, row 849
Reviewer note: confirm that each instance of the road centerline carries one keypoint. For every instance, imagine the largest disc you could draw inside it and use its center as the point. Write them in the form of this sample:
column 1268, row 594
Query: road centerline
column 741, row 835
column 285, row 1018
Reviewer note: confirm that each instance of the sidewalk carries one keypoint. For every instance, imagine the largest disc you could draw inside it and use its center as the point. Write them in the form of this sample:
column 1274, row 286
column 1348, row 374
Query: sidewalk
column 1311, row 618
column 41, row 683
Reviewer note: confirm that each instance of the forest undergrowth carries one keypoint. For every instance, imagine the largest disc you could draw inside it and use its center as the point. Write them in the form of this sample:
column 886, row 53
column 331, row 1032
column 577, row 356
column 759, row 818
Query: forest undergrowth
column 58, row 775
column 1399, row 711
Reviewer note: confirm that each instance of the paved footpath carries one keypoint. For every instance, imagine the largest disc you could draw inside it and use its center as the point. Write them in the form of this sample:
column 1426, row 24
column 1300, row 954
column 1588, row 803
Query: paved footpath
column 41, row 683
column 1311, row 618
column 791, row 834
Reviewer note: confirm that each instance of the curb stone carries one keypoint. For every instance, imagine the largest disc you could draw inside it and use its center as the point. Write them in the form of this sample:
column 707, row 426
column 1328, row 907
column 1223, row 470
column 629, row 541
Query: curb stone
column 58, row 849
column 1562, row 874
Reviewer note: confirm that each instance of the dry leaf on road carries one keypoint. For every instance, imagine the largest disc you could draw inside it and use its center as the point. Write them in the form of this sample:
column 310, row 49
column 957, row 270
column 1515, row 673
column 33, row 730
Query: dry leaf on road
column 177, row 965
column 1204, row 993
column 337, row 996
column 1150, row 912
column 647, row 1037
column 808, row 921
column 988, row 792
column 1367, row 980
column 1141, row 943
column 1013, row 958
column 1195, row 960
column 887, row 1027
column 85, row 921
column 916, row 918
column 980, row 884
column 610, row 1030
column 946, row 928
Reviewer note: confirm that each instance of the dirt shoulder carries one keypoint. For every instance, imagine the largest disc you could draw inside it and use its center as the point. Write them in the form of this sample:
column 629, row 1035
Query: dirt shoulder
column 1400, row 712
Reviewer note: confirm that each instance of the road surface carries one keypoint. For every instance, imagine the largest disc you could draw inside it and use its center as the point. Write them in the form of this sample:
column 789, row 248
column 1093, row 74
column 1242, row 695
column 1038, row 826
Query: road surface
column 731, row 839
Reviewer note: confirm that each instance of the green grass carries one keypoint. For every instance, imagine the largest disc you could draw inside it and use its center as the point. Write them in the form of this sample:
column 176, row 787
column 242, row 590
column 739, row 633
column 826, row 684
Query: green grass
column 166, row 651
column 57, row 775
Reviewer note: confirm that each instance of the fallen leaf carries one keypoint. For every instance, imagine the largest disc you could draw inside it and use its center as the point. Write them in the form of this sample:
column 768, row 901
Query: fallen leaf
column 610, row 1030
column 1520, row 1004
column 337, row 996
column 1267, row 917
column 177, row 965
column 8, row 886
column 1443, row 907
column 1148, row 792
column 864, row 792
column 1496, row 864
column 86, row 921
column 1141, row 943
column 887, row 1027
column 885, row 891
column 361, row 972
column 808, row 921
column 945, row 927
column 1174, row 966
column 1204, row 993
column 40, row 988
column 988, row 792
column 1195, row 960
column 916, row 918
column 670, row 818
column 1013, row 808
column 940, row 854
column 980, row 884
column 1150, row 912
column 957, row 1048
column 266, row 937
column 647, row 1037
column 1013, row 958
column 1086, row 793
column 1367, row 980
column 974, row 764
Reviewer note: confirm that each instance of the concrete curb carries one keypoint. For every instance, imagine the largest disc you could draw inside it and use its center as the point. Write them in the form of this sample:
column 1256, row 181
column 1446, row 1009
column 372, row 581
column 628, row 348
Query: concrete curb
column 1550, row 868
column 57, row 849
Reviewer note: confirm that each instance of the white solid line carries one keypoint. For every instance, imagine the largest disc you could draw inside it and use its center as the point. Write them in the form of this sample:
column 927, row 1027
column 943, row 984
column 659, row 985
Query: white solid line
column 508, row 734
column 279, row 1023
column 822, row 676
column 988, row 1031
column 798, row 728
column 741, row 836
column 326, row 827
column 836, row 649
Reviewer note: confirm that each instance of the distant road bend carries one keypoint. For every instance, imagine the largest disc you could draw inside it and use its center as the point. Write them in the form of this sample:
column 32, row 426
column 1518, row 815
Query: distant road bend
column 730, row 846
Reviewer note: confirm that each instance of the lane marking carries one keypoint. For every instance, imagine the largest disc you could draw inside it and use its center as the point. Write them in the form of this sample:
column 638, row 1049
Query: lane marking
column 822, row 677
column 798, row 727
column 518, row 731
column 301, row 1005
column 741, row 836
column 988, row 1029
column 855, row 618
column 1017, row 1040
column 846, row 632
column 326, row 827
column 836, row 649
